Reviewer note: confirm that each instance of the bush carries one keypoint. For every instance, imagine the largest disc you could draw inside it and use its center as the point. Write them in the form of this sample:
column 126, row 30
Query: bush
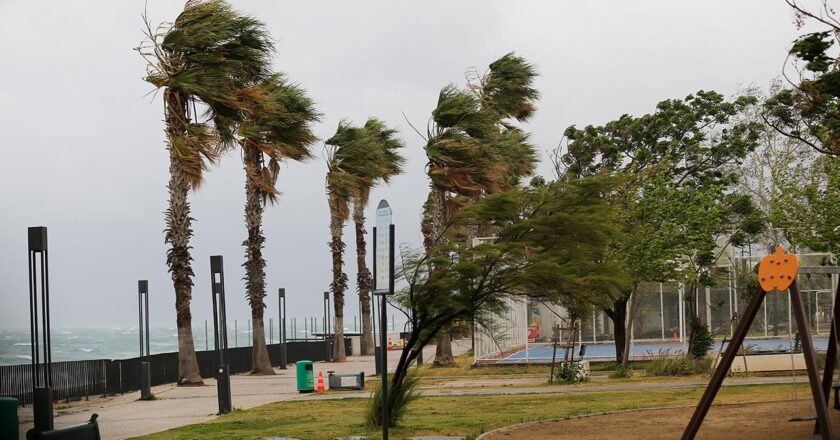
column 621, row 372
column 677, row 366
column 702, row 342
column 398, row 399
column 570, row 372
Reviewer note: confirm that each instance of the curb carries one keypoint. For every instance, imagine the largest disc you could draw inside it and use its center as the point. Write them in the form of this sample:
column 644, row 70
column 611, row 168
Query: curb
column 484, row 436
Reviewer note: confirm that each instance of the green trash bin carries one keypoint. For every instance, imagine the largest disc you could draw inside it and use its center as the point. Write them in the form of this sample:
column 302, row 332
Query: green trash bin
column 9, row 417
column 305, row 376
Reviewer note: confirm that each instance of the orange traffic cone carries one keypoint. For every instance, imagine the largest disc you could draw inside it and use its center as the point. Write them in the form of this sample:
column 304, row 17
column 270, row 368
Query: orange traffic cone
column 390, row 345
column 319, row 386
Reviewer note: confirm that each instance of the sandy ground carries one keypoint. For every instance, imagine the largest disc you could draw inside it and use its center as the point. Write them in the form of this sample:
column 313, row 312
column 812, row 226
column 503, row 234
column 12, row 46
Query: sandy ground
column 759, row 421
column 125, row 416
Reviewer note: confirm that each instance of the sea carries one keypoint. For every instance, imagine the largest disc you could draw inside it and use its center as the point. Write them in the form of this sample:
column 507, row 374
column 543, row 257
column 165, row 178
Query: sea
column 70, row 344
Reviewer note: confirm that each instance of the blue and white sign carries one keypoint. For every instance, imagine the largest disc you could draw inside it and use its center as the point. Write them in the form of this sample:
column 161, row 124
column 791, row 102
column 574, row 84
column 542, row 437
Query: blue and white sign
column 382, row 259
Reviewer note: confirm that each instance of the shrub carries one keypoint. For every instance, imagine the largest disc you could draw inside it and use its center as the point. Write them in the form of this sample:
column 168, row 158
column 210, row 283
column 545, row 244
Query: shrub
column 398, row 398
column 570, row 372
column 677, row 366
column 621, row 372
column 701, row 343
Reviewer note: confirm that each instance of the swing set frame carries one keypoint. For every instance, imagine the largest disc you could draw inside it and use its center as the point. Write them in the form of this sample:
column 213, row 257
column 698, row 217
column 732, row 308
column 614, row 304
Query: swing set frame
column 820, row 389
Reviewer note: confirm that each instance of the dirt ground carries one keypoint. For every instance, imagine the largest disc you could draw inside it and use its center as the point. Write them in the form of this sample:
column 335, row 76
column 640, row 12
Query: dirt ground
column 764, row 421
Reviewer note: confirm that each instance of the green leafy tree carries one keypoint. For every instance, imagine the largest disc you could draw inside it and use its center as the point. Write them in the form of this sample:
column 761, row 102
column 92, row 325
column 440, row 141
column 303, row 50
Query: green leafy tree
column 277, row 127
column 549, row 244
column 359, row 157
column 812, row 210
column 808, row 111
column 665, row 161
column 774, row 173
column 205, row 57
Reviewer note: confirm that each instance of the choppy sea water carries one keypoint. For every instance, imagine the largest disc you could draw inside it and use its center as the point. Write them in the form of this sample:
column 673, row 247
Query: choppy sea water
column 69, row 344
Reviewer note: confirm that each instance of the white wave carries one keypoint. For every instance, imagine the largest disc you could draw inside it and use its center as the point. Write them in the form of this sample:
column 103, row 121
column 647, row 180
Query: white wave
column 23, row 344
column 86, row 350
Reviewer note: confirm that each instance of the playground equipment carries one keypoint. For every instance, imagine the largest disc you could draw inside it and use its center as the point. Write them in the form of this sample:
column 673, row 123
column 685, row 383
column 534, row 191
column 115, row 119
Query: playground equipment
column 776, row 272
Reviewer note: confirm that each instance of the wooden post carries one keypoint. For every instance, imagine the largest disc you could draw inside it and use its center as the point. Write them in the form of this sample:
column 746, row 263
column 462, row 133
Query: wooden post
column 810, row 361
column 831, row 354
column 723, row 367
column 776, row 272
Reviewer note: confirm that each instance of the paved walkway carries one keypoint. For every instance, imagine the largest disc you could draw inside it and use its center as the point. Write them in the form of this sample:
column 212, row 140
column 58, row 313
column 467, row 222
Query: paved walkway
column 125, row 416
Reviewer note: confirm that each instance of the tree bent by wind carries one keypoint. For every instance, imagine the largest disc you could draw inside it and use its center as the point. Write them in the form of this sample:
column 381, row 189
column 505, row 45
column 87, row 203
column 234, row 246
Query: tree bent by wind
column 474, row 149
column 550, row 245
column 357, row 158
column 277, row 127
column 201, row 60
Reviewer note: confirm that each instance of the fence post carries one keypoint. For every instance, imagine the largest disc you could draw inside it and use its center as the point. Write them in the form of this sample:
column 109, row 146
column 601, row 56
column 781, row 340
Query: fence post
column 661, row 311
column 681, row 303
column 765, row 315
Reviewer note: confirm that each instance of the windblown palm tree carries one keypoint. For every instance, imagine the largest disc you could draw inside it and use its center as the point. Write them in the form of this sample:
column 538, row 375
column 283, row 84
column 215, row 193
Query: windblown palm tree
column 359, row 157
column 206, row 57
column 389, row 165
column 474, row 148
column 277, row 127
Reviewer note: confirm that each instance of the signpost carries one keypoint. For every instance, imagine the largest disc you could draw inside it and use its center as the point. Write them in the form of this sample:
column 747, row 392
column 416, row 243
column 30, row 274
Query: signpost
column 220, row 334
column 383, row 284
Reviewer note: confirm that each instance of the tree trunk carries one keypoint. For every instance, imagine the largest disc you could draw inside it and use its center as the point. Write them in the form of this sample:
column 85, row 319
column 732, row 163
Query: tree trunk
column 254, row 261
column 443, row 351
column 363, row 279
column 339, row 282
column 177, row 235
column 618, row 315
column 628, row 333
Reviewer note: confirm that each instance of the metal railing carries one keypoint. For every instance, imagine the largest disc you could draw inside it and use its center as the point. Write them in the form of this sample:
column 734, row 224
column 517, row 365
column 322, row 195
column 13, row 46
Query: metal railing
column 80, row 379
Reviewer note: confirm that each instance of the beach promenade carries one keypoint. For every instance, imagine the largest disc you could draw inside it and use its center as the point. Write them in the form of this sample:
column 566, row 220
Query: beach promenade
column 125, row 416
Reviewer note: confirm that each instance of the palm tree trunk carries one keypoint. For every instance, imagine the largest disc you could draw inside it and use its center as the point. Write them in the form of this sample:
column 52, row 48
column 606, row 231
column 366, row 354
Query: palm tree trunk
column 177, row 235
column 443, row 351
column 363, row 280
column 339, row 283
column 254, row 261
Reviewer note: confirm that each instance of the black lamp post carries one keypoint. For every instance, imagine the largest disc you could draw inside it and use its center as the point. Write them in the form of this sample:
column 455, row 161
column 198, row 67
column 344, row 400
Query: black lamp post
column 327, row 325
column 282, row 336
column 40, row 341
column 220, row 333
column 143, row 327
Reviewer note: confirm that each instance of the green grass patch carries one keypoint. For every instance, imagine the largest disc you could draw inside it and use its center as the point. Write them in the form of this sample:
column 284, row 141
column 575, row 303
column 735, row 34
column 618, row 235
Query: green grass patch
column 451, row 415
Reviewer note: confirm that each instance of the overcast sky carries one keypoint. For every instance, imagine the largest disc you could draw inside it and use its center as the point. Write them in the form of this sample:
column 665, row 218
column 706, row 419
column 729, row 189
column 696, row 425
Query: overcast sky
column 83, row 148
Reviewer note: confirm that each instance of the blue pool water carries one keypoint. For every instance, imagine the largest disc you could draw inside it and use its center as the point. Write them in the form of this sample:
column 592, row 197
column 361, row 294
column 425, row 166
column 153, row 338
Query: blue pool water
column 543, row 352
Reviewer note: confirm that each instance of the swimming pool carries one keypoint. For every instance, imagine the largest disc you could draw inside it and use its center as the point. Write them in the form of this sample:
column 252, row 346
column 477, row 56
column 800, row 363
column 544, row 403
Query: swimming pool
column 542, row 352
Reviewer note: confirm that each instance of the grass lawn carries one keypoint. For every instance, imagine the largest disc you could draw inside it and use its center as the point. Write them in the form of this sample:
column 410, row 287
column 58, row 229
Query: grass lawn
column 453, row 415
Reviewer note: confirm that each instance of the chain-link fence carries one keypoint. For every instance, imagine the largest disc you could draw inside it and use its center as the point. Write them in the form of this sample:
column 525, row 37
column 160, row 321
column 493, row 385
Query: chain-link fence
column 664, row 313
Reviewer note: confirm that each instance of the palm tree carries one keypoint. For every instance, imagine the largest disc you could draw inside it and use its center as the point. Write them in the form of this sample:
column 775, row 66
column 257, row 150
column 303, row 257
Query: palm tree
column 389, row 165
column 277, row 127
column 358, row 157
column 205, row 57
column 474, row 148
